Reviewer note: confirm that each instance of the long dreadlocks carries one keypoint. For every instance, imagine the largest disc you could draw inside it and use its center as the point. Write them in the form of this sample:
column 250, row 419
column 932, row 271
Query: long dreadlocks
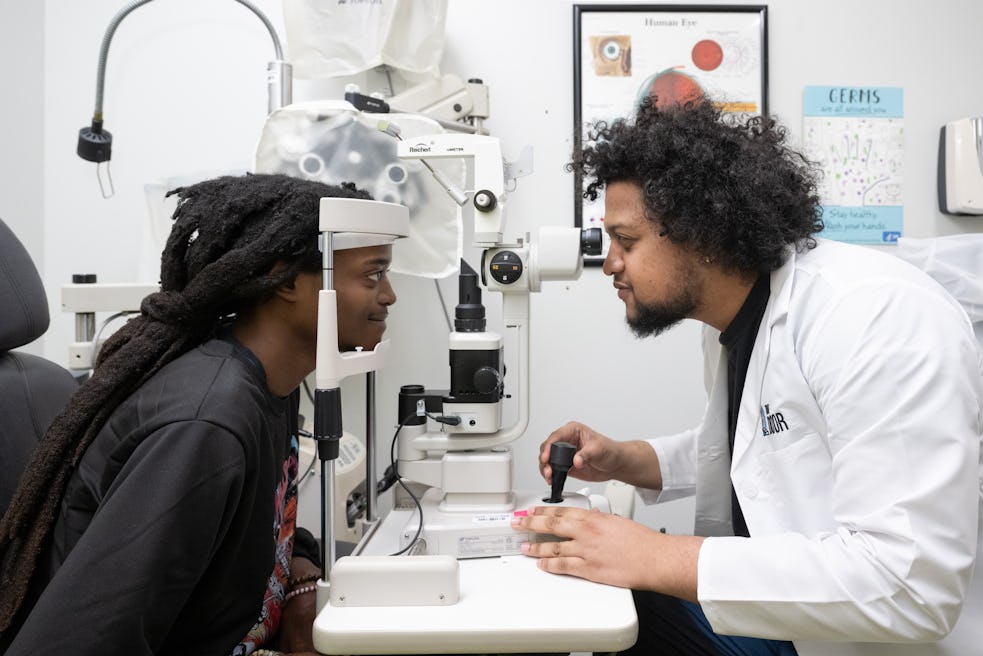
column 227, row 236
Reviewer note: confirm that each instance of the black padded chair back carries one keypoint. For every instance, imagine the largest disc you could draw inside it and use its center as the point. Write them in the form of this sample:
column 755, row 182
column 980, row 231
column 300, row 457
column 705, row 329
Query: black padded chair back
column 32, row 390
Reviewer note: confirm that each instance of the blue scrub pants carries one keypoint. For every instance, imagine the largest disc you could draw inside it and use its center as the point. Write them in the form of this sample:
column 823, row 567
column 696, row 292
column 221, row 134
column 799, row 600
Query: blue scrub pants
column 674, row 627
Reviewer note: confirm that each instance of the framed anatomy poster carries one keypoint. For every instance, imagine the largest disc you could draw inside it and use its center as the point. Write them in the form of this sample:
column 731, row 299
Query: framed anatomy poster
column 672, row 53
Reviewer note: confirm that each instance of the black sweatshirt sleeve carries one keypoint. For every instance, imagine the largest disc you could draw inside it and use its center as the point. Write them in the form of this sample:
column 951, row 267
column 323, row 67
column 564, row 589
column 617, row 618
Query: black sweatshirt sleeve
column 151, row 539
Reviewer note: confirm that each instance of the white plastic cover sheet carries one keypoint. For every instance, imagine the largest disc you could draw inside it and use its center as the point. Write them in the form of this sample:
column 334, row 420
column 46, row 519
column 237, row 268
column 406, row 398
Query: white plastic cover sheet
column 956, row 262
column 330, row 38
column 333, row 142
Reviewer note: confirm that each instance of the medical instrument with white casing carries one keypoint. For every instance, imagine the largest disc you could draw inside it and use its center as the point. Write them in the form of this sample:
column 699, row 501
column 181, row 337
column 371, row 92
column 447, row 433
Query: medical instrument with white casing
column 454, row 584
column 463, row 467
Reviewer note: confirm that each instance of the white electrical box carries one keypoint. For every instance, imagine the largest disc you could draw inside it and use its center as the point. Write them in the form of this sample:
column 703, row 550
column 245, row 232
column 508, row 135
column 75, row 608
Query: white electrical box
column 961, row 167
column 368, row 581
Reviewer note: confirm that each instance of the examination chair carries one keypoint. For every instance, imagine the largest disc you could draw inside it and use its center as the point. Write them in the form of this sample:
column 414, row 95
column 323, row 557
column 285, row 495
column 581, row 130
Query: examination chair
column 32, row 390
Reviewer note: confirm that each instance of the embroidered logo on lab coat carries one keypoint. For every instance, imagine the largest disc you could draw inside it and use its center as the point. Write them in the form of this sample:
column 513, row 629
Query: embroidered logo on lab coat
column 772, row 422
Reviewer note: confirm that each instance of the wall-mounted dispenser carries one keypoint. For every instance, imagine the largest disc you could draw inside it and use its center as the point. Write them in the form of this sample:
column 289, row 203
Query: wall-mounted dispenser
column 961, row 166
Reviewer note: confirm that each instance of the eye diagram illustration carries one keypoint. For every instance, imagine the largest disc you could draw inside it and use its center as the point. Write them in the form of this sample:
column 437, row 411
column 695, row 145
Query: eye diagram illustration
column 612, row 55
column 670, row 86
column 707, row 55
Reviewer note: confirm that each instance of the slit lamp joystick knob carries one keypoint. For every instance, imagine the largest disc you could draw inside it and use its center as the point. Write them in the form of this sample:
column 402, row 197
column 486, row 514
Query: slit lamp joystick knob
column 561, row 459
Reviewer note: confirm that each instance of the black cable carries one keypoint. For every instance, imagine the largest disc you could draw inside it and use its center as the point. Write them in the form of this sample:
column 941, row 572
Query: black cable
column 357, row 500
column 305, row 433
column 419, row 506
column 310, row 467
column 355, row 505
column 452, row 420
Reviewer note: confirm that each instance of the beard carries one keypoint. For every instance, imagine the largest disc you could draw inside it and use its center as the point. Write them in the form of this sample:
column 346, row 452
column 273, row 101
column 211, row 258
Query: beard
column 653, row 320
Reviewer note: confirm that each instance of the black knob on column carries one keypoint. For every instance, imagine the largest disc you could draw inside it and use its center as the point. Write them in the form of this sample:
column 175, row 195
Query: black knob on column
column 561, row 460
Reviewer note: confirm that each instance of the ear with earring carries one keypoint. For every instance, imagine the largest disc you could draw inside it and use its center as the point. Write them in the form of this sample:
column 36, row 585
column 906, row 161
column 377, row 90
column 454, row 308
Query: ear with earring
column 707, row 259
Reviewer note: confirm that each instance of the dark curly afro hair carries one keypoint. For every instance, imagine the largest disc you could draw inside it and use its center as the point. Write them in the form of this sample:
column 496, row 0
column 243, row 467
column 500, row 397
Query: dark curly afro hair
column 731, row 190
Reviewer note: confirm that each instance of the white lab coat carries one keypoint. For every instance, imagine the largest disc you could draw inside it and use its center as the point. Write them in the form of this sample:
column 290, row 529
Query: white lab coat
column 856, row 462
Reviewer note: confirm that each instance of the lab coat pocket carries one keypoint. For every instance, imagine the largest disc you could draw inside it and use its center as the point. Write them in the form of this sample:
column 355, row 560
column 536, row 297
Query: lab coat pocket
column 798, row 478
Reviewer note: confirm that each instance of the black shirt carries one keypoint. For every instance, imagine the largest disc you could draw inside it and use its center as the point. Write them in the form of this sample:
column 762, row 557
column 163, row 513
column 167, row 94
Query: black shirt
column 164, row 543
column 738, row 340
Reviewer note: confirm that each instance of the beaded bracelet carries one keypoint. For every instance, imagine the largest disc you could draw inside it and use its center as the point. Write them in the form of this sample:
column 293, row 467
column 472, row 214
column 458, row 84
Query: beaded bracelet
column 267, row 652
column 299, row 591
column 310, row 578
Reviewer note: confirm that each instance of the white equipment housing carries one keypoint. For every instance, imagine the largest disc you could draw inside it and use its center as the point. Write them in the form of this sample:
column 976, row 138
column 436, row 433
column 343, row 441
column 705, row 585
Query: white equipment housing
column 961, row 167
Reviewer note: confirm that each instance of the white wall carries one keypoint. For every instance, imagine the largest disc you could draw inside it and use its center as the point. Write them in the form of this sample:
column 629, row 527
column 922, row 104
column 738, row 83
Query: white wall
column 185, row 92
column 21, row 100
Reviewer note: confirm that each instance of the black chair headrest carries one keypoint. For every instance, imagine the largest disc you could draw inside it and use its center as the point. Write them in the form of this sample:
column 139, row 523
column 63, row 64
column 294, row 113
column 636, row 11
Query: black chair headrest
column 23, row 303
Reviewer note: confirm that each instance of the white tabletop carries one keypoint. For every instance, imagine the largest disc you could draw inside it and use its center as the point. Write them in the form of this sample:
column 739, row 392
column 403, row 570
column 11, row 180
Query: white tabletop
column 507, row 604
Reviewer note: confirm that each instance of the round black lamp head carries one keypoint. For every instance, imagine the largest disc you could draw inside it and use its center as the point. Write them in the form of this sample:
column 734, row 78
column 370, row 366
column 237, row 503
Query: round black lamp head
column 95, row 144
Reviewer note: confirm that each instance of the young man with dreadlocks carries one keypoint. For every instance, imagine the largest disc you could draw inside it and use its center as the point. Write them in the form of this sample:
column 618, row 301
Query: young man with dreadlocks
column 837, row 468
column 143, row 523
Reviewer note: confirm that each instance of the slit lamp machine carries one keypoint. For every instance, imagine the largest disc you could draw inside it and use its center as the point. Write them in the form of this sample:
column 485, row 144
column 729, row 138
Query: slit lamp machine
column 442, row 563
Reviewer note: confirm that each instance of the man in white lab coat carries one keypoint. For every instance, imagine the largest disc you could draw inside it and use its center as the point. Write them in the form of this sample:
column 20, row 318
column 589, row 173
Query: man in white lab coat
column 837, row 468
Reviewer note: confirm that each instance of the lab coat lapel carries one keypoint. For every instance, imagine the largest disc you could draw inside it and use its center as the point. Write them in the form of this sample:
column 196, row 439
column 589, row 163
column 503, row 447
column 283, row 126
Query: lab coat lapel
column 713, row 512
column 749, row 416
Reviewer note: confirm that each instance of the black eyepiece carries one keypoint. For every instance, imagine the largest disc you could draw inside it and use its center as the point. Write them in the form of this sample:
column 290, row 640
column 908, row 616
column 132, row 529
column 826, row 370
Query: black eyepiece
column 590, row 241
